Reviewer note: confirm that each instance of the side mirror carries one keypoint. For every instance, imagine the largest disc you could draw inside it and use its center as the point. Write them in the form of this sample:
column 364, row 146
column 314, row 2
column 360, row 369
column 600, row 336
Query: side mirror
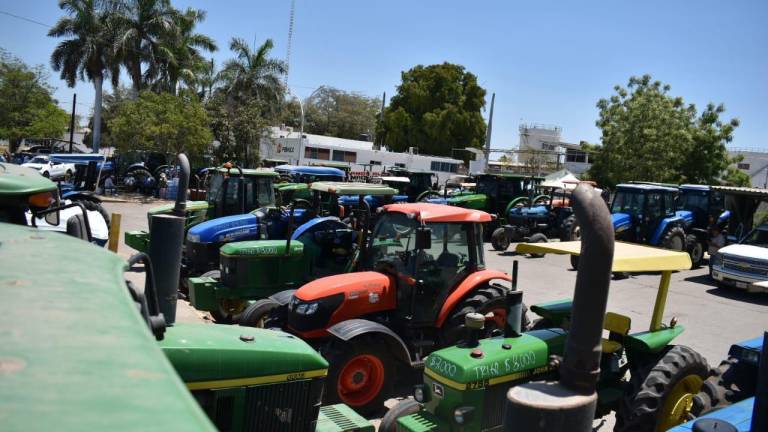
column 52, row 218
column 423, row 238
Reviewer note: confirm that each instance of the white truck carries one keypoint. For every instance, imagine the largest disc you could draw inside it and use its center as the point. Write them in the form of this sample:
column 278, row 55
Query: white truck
column 50, row 168
column 743, row 265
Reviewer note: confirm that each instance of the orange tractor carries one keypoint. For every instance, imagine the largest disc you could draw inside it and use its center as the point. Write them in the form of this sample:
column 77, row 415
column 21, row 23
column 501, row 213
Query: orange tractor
column 425, row 273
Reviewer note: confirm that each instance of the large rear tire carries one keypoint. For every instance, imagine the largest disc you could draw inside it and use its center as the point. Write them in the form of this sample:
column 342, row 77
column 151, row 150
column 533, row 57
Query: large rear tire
column 483, row 300
column 499, row 239
column 674, row 239
column 361, row 373
column 695, row 249
column 257, row 313
column 403, row 408
column 571, row 229
column 661, row 396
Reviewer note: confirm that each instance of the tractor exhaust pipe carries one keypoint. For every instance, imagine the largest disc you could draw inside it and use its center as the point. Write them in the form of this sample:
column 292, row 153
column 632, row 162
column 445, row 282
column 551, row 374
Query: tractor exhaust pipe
column 166, row 239
column 180, row 209
column 569, row 405
column 514, row 307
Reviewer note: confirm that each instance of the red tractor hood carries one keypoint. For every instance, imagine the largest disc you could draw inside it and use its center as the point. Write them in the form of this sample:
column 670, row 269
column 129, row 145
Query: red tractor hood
column 353, row 285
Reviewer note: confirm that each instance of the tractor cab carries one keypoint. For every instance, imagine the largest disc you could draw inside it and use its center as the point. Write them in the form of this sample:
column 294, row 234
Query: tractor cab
column 421, row 184
column 465, row 385
column 496, row 193
column 645, row 213
column 422, row 271
column 29, row 199
column 699, row 205
column 229, row 190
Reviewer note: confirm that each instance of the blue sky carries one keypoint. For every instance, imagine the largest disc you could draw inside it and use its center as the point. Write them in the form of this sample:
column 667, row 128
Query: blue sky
column 547, row 62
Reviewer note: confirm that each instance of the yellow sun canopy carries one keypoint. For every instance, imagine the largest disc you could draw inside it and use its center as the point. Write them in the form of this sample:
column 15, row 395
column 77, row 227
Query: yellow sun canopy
column 627, row 257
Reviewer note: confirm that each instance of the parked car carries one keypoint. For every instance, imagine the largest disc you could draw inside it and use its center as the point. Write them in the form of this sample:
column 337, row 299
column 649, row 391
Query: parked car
column 743, row 264
column 50, row 168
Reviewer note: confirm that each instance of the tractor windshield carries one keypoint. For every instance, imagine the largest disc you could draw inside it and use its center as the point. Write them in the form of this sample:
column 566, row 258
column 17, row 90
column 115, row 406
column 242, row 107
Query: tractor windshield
column 628, row 201
column 223, row 191
column 452, row 251
column 693, row 200
column 758, row 237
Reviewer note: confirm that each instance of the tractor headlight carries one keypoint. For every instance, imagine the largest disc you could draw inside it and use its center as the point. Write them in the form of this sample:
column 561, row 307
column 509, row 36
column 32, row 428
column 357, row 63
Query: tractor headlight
column 193, row 238
column 462, row 415
column 419, row 394
column 307, row 308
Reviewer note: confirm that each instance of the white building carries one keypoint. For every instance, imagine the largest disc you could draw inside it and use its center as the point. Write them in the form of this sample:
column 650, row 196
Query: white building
column 755, row 164
column 361, row 156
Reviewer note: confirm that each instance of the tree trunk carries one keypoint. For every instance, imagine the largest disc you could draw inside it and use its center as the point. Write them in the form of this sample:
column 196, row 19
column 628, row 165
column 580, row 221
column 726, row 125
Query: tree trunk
column 97, row 85
column 136, row 78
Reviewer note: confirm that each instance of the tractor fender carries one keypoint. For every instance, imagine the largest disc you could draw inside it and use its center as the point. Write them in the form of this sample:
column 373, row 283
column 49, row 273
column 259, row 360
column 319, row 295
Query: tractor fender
column 352, row 328
column 465, row 287
column 283, row 297
column 662, row 228
column 515, row 202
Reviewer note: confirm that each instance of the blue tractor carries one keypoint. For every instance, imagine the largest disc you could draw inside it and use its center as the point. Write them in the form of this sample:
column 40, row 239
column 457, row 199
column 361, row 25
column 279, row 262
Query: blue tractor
column 700, row 206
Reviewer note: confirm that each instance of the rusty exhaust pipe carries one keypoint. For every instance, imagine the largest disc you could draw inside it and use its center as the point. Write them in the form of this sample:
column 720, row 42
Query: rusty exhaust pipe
column 569, row 405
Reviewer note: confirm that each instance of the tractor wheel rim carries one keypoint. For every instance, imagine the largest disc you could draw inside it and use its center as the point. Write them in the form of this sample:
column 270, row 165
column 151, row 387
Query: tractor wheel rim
column 577, row 233
column 678, row 403
column 361, row 380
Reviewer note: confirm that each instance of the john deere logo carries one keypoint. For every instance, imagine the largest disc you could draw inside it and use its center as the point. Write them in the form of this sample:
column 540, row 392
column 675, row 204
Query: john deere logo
column 437, row 389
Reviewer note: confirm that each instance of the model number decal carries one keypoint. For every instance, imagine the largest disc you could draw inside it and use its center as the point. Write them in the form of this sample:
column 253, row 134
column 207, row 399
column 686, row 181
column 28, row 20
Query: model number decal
column 513, row 363
column 295, row 376
column 437, row 364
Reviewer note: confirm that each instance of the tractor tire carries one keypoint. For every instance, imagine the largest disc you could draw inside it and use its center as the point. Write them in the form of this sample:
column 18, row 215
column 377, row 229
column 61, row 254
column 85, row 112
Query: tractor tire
column 726, row 385
column 674, row 239
column 571, row 230
column 575, row 262
column 695, row 249
column 361, row 374
column 483, row 300
column 257, row 313
column 537, row 238
column 499, row 239
column 427, row 195
column 654, row 392
column 403, row 408
column 76, row 227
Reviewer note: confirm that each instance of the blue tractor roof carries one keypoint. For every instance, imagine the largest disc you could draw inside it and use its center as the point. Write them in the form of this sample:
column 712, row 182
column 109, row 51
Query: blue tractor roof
column 311, row 170
column 703, row 188
column 646, row 187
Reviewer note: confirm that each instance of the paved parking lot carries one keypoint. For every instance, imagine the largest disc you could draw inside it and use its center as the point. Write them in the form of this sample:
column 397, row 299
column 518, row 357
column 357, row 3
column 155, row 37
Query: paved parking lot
column 713, row 318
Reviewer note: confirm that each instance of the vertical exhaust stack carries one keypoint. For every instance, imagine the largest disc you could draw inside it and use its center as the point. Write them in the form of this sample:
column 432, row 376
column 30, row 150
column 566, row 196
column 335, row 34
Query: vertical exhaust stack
column 166, row 239
column 569, row 405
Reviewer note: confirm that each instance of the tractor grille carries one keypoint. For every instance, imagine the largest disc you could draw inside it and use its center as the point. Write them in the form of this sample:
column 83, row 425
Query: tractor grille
column 290, row 406
column 745, row 265
column 493, row 406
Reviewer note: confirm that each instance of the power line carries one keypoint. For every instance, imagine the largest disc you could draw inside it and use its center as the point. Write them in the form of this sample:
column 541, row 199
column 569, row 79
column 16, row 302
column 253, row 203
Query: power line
column 30, row 20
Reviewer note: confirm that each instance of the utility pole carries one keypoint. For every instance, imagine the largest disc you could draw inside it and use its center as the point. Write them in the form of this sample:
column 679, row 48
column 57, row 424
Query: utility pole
column 72, row 123
column 377, row 142
column 488, row 134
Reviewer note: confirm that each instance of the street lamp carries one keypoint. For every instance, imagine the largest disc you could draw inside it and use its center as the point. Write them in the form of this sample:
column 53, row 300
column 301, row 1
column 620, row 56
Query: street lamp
column 301, row 127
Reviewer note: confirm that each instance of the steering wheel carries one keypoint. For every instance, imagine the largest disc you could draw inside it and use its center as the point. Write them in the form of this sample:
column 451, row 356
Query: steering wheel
column 430, row 266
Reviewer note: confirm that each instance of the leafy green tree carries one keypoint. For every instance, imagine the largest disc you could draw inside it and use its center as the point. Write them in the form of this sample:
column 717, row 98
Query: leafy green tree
column 27, row 109
column 182, row 59
column 238, row 128
column 647, row 134
column 342, row 114
column 86, row 53
column 436, row 108
column 162, row 122
column 142, row 28
column 253, row 75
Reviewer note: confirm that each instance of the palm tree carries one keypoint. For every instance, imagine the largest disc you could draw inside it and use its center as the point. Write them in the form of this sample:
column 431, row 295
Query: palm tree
column 253, row 75
column 142, row 26
column 182, row 60
column 87, row 53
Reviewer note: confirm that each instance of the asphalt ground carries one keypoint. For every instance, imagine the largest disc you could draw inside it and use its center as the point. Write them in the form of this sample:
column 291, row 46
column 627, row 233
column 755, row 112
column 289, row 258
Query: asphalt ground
column 713, row 318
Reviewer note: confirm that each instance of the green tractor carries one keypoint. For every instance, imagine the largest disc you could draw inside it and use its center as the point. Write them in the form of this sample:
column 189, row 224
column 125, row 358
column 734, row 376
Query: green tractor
column 98, row 356
column 649, row 383
column 497, row 194
column 229, row 191
column 250, row 271
column 421, row 185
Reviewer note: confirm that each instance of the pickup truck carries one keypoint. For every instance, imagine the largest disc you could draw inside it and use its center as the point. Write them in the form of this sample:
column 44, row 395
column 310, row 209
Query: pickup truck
column 744, row 264
column 50, row 168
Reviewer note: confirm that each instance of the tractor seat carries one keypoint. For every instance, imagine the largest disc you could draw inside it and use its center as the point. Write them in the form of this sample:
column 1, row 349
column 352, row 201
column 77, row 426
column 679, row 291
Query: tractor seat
column 618, row 327
column 447, row 259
